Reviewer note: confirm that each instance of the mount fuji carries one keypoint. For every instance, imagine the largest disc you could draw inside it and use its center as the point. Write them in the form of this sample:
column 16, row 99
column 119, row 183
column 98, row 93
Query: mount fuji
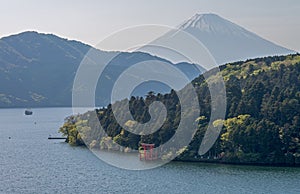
column 226, row 41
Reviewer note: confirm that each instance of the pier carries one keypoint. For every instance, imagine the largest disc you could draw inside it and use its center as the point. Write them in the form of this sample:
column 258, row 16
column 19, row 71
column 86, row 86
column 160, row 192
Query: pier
column 57, row 138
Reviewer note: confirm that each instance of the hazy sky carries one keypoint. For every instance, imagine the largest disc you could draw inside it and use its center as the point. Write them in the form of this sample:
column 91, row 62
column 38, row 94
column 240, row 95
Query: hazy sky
column 92, row 20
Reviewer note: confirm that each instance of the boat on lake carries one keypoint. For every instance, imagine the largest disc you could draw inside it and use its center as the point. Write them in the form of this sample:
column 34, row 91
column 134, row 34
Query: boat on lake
column 28, row 112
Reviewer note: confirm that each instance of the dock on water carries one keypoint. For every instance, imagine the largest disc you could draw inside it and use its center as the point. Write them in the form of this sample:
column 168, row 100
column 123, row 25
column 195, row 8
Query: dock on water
column 57, row 138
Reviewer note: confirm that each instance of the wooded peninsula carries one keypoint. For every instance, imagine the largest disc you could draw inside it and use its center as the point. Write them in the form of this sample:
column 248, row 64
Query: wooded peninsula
column 262, row 123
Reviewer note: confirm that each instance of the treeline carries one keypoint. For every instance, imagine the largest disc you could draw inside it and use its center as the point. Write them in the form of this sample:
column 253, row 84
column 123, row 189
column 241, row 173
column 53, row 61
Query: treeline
column 262, row 124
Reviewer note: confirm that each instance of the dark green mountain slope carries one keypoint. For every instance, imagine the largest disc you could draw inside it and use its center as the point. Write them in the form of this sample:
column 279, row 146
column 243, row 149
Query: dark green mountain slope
column 38, row 70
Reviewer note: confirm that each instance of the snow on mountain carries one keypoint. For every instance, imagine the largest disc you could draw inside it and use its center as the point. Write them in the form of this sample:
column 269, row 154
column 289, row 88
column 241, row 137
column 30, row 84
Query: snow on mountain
column 226, row 41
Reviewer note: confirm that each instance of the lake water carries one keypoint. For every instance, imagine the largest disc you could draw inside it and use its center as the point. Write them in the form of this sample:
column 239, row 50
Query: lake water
column 30, row 163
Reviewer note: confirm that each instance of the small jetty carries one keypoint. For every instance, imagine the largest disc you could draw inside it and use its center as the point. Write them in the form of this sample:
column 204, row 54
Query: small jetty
column 57, row 138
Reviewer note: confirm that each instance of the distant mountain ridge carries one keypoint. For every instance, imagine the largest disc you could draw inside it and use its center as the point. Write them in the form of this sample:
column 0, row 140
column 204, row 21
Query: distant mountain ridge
column 38, row 70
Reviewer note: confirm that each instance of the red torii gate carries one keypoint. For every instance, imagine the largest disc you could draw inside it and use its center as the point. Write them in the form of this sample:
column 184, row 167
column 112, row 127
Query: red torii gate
column 148, row 153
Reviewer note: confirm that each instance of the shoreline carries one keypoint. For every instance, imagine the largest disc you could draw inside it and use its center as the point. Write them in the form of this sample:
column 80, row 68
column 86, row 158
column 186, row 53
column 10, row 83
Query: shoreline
column 237, row 163
column 203, row 161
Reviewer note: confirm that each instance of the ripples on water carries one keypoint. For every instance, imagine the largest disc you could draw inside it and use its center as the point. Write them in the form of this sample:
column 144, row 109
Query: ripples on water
column 30, row 163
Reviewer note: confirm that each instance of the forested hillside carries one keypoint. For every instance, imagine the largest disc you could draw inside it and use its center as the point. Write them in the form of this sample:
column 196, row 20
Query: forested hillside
column 38, row 70
column 262, row 124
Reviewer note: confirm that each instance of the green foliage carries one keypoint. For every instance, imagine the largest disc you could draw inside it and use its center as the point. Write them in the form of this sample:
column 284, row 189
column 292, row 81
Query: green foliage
column 262, row 123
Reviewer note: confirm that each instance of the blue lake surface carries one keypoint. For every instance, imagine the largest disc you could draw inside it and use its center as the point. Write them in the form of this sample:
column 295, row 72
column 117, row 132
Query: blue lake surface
column 30, row 163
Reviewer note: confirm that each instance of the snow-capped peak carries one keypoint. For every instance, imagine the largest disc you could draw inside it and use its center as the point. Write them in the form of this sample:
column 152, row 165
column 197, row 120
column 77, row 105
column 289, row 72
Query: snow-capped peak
column 201, row 21
column 227, row 41
column 212, row 23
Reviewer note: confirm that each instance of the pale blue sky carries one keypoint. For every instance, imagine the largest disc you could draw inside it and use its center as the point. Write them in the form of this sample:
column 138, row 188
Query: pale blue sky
column 91, row 20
